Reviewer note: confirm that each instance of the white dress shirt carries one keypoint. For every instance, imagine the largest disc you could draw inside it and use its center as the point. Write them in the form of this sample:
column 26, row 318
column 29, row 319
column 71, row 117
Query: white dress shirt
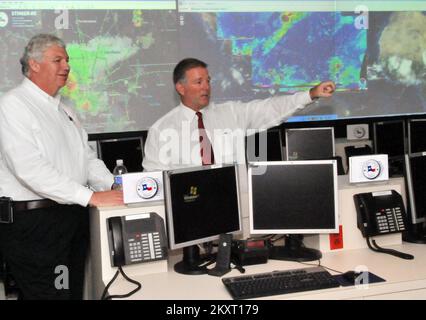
column 44, row 151
column 173, row 141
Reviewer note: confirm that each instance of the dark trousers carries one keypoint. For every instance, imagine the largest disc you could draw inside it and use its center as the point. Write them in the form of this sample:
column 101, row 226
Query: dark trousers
column 46, row 249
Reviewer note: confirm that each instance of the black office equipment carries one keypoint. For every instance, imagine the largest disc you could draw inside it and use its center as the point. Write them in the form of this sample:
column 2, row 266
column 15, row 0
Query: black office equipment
column 352, row 278
column 415, row 179
column 201, row 203
column 352, row 151
column 130, row 150
column 223, row 258
column 265, row 145
column 279, row 282
column 250, row 251
column 136, row 238
column 293, row 198
column 339, row 163
column 310, row 143
column 416, row 135
column 389, row 138
column 381, row 213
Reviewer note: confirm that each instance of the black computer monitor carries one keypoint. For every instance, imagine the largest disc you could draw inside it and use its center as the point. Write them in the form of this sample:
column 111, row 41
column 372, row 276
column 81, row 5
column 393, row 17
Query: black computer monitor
column 416, row 135
column 389, row 138
column 293, row 198
column 201, row 203
column 129, row 149
column 415, row 178
column 310, row 143
column 265, row 145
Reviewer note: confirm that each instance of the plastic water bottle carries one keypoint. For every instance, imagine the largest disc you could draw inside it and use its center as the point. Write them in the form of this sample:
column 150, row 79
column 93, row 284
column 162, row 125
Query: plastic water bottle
column 118, row 171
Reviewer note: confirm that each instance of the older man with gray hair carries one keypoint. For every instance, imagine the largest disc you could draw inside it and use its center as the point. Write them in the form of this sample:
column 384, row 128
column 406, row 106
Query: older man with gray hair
column 50, row 175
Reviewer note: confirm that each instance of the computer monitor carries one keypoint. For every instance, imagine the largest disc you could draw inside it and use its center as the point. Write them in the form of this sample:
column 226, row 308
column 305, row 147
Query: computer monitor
column 310, row 143
column 201, row 204
column 416, row 135
column 415, row 178
column 129, row 149
column 293, row 198
column 389, row 138
column 265, row 145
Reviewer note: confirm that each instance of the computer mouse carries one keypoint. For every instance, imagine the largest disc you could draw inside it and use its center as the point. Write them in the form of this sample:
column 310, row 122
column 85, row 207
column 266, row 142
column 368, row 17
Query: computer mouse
column 351, row 276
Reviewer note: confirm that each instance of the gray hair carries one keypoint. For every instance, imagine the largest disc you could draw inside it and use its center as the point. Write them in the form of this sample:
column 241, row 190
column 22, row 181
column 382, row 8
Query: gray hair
column 35, row 49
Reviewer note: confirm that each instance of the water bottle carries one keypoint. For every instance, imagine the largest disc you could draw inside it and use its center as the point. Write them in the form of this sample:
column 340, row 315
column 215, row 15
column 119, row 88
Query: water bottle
column 118, row 171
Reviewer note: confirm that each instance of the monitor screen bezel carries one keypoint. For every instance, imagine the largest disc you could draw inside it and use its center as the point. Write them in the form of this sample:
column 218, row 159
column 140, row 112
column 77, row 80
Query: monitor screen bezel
column 101, row 155
column 331, row 129
column 256, row 165
column 409, row 133
column 375, row 137
column 169, row 212
column 266, row 132
column 415, row 219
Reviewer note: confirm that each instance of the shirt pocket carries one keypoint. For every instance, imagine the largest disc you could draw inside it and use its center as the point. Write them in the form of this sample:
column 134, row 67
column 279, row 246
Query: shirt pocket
column 226, row 146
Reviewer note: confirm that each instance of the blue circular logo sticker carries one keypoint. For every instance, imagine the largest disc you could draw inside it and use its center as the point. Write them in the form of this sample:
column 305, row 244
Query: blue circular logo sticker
column 147, row 187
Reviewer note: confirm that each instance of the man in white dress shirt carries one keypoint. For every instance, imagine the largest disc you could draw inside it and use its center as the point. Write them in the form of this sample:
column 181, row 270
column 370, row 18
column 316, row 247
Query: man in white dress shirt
column 174, row 140
column 50, row 173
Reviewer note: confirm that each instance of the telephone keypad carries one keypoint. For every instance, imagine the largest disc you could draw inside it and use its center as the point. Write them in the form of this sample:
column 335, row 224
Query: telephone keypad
column 147, row 248
column 390, row 220
column 135, row 251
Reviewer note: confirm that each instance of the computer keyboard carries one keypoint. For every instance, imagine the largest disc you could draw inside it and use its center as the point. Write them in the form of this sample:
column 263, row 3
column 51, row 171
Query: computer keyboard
column 279, row 282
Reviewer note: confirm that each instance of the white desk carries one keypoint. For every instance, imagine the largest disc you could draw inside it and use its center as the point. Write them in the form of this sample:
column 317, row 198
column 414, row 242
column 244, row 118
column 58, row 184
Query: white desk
column 99, row 270
column 405, row 279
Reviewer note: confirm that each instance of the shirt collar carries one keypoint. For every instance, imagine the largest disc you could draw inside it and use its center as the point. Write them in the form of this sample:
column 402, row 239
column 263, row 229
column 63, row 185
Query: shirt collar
column 190, row 114
column 54, row 101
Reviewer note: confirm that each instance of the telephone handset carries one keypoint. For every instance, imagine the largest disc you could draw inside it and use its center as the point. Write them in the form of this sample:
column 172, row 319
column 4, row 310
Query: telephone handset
column 115, row 232
column 136, row 238
column 381, row 213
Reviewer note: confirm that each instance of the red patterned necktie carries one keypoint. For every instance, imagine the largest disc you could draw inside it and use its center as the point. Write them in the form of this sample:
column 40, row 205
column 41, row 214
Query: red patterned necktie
column 206, row 149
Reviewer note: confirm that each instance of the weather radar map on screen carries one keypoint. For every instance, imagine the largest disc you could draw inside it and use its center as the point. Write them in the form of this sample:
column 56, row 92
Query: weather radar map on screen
column 375, row 58
column 265, row 49
column 397, row 60
column 121, row 60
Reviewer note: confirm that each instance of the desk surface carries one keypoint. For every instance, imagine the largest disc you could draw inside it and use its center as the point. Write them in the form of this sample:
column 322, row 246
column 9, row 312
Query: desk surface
column 405, row 279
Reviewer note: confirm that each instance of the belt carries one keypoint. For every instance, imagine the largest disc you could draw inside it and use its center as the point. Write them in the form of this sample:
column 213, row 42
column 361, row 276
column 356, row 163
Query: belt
column 33, row 204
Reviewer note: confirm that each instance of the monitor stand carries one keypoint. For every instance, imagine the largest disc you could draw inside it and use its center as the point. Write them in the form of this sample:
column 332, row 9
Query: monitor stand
column 192, row 262
column 294, row 250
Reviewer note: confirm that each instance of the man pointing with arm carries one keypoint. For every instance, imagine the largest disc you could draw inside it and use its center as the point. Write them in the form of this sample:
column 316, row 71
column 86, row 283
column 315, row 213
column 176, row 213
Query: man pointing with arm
column 199, row 132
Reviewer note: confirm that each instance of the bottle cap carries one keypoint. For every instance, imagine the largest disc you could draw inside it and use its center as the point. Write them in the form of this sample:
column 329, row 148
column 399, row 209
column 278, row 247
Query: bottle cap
column 119, row 162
